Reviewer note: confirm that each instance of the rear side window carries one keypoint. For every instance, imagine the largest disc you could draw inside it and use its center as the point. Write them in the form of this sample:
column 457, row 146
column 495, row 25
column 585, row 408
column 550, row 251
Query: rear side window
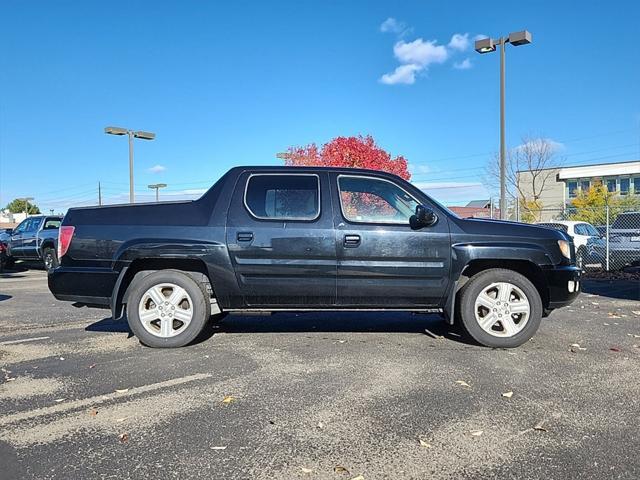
column 52, row 224
column 283, row 196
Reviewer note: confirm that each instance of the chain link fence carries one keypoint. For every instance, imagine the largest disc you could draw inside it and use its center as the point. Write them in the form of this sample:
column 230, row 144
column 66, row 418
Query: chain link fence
column 606, row 238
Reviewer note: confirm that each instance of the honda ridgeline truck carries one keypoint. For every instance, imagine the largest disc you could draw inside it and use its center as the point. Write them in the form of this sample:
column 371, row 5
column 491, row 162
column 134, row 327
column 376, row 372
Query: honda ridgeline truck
column 270, row 239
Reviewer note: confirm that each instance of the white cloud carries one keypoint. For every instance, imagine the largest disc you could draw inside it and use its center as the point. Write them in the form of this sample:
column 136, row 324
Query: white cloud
column 463, row 65
column 419, row 169
column 405, row 74
column 391, row 25
column 459, row 42
column 538, row 142
column 157, row 169
column 420, row 52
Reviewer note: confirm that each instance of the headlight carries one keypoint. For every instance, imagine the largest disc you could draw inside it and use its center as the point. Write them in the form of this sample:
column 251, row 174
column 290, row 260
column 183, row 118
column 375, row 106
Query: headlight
column 564, row 248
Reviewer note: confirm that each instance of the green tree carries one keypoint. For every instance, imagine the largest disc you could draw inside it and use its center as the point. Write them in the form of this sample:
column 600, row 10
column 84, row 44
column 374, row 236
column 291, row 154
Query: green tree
column 18, row 206
column 590, row 206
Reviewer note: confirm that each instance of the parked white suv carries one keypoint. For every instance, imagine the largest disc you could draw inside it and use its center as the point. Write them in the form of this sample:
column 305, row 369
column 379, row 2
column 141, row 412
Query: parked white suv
column 580, row 232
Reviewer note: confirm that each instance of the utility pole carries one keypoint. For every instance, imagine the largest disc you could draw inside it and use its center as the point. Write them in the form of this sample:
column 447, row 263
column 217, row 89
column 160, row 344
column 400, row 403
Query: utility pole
column 99, row 194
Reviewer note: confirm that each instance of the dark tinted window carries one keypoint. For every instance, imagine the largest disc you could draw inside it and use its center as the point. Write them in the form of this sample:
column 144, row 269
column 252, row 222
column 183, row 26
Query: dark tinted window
column 557, row 226
column 627, row 220
column 283, row 196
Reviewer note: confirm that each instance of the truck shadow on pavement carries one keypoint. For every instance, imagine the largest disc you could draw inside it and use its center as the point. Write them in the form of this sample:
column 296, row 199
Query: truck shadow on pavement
column 620, row 289
column 430, row 325
column 4, row 297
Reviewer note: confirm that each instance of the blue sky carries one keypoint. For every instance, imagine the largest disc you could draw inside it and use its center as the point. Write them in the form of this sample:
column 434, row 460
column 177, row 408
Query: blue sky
column 232, row 83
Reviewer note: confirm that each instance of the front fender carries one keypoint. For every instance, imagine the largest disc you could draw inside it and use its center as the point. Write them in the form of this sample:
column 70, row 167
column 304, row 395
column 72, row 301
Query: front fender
column 464, row 253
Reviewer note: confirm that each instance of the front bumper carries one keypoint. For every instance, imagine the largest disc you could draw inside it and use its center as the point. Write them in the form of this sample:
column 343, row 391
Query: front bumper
column 563, row 284
column 91, row 286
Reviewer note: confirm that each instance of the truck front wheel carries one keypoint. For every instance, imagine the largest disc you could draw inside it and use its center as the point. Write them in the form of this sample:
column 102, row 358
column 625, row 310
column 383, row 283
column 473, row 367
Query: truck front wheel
column 500, row 308
column 167, row 309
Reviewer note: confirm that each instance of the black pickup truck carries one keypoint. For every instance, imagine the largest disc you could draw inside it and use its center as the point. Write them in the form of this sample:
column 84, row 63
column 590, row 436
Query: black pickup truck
column 267, row 239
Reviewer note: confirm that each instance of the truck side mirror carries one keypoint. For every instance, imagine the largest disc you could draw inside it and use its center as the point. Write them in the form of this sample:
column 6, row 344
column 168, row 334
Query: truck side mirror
column 424, row 217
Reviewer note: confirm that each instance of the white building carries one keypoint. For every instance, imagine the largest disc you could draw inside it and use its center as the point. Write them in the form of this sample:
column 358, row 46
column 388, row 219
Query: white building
column 564, row 184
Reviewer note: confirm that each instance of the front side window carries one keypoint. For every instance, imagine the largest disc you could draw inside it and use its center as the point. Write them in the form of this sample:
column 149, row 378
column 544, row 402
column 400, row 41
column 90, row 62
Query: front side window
column 283, row 196
column 373, row 200
column 625, row 185
column 611, row 185
column 573, row 188
column 581, row 229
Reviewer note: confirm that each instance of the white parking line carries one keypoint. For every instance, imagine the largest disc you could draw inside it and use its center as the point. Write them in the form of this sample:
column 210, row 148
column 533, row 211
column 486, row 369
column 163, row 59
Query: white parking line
column 24, row 340
column 98, row 399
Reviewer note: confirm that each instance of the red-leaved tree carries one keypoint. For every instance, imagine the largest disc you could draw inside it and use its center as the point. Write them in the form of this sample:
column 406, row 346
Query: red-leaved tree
column 353, row 152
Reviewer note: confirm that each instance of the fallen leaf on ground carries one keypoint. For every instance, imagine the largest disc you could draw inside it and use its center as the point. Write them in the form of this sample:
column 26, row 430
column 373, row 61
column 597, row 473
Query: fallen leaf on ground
column 507, row 394
column 615, row 349
column 538, row 426
column 340, row 469
column 93, row 365
column 93, row 412
column 119, row 420
column 306, row 470
column 122, row 390
column 463, row 383
column 424, row 444
column 219, row 448
column 320, row 425
column 476, row 433
column 359, row 477
column 58, row 400
column 228, row 399
column 606, row 324
column 635, row 312
column 61, row 358
column 124, row 437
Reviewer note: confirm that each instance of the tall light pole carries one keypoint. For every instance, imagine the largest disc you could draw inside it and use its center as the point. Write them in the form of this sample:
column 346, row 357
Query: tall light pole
column 131, row 134
column 26, row 205
column 157, row 187
column 488, row 45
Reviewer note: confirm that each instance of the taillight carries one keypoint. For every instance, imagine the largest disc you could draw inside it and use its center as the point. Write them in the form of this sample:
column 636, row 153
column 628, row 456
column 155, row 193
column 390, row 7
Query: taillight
column 64, row 239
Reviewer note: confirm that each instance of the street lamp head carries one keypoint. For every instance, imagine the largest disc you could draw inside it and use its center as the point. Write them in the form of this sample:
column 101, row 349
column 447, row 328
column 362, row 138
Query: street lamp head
column 144, row 135
column 115, row 131
column 520, row 38
column 485, row 45
column 157, row 185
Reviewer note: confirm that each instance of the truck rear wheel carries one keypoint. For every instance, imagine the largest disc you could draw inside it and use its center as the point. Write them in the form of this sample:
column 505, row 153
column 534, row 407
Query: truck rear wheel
column 167, row 309
column 500, row 308
column 49, row 258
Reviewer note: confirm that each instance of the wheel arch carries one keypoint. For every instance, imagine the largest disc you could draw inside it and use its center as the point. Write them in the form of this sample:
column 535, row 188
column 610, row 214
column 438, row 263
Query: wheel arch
column 139, row 268
column 527, row 268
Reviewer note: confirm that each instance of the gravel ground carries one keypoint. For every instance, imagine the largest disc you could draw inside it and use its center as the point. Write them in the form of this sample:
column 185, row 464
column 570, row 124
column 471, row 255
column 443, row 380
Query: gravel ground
column 318, row 396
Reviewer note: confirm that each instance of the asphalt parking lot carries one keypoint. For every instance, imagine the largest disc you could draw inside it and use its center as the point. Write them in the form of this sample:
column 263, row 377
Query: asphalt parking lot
column 331, row 396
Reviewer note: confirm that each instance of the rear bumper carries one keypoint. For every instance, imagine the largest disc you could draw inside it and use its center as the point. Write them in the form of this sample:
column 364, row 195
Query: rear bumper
column 91, row 286
column 563, row 284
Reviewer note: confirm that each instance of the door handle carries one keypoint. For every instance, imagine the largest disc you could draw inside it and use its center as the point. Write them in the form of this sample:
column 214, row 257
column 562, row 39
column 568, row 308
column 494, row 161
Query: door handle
column 351, row 241
column 245, row 236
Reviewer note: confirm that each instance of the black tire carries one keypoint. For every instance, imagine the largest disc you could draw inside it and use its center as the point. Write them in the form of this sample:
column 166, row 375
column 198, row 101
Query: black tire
column 49, row 258
column 9, row 263
column 476, row 285
column 200, row 304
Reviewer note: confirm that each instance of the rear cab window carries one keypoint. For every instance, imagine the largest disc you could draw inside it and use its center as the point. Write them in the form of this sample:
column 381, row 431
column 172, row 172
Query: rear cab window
column 286, row 196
